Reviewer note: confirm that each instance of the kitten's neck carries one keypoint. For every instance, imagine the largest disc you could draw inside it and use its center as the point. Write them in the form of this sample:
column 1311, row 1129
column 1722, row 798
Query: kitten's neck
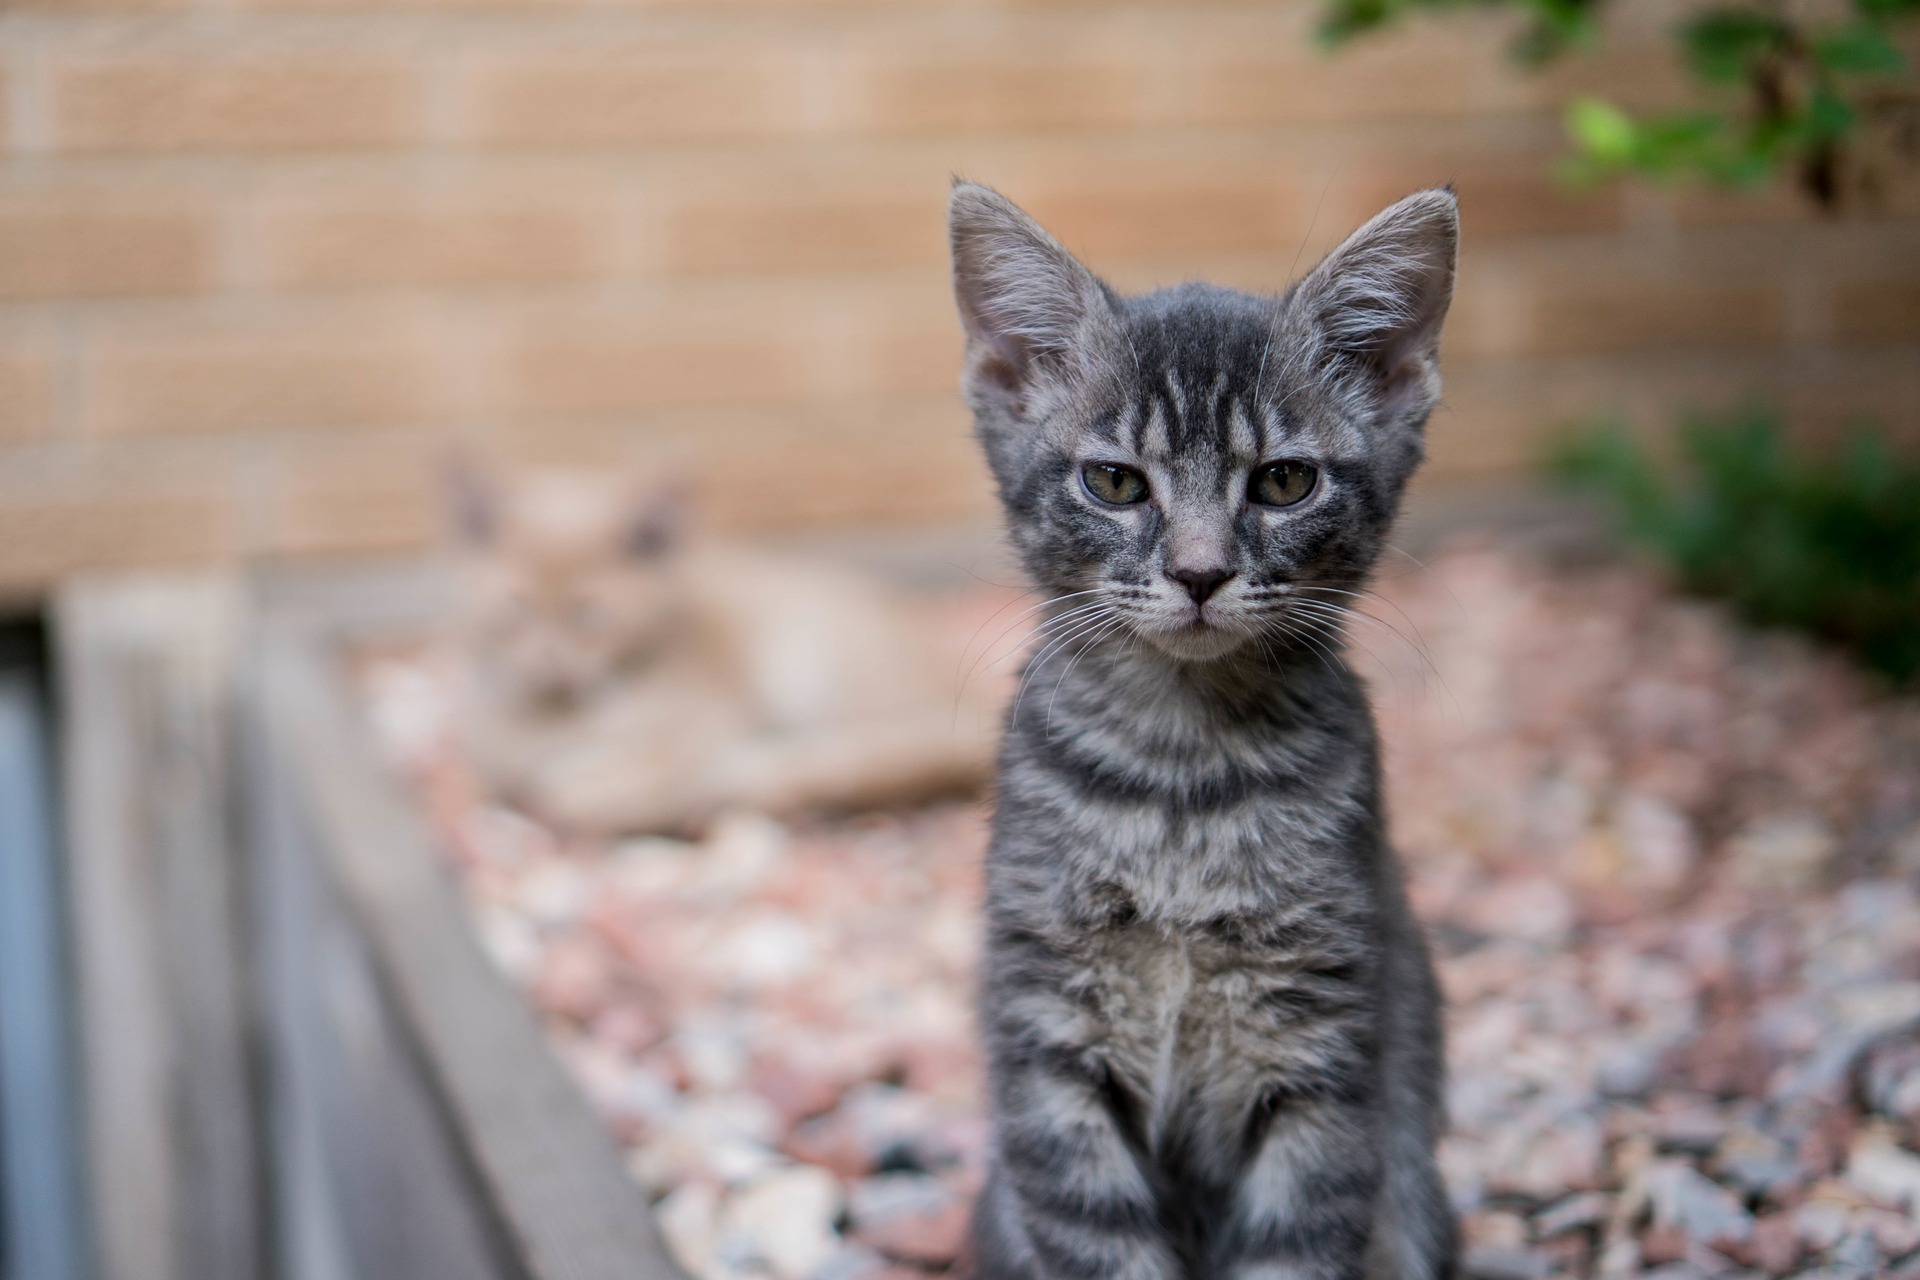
column 1127, row 687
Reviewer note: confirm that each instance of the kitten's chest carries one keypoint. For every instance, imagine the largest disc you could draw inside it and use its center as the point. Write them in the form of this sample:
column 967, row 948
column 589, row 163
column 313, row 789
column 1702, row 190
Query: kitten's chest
column 1186, row 1022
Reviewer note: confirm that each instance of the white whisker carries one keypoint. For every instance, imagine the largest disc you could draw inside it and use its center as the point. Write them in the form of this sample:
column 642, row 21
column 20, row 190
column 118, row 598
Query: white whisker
column 1039, row 659
column 1115, row 624
column 1017, row 619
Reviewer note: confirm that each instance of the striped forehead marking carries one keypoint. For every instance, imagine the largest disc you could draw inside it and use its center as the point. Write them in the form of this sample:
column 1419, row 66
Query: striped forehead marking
column 1152, row 432
column 1242, row 429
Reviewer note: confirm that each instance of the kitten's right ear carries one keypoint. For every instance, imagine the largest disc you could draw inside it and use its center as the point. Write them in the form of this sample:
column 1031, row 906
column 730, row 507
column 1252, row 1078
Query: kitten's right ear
column 1034, row 315
column 472, row 503
column 1381, row 297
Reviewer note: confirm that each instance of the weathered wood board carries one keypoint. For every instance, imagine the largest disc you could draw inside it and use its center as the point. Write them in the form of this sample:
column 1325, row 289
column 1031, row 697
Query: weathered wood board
column 298, row 1062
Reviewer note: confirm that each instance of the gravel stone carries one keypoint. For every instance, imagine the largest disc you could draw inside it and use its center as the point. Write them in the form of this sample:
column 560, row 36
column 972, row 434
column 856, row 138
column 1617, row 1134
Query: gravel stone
column 1669, row 868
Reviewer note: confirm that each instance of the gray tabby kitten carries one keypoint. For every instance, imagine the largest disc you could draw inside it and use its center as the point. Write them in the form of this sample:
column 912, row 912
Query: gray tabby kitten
column 1211, row 1021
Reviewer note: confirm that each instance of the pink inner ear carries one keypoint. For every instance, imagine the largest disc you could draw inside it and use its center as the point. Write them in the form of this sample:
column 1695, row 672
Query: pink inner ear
column 1403, row 377
column 999, row 379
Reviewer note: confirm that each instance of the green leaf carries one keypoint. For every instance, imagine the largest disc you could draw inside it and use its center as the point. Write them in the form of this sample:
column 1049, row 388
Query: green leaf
column 1342, row 20
column 1721, row 44
column 1887, row 10
column 1828, row 116
column 1789, row 107
column 1602, row 131
column 1825, row 542
column 1861, row 50
column 1557, row 26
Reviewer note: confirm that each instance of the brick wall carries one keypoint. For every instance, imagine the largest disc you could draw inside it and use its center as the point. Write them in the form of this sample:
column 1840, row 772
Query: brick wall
column 262, row 260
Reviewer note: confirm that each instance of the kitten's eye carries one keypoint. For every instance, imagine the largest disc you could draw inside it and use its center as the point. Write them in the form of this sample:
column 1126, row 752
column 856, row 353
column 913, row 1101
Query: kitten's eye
column 1121, row 486
column 1281, row 484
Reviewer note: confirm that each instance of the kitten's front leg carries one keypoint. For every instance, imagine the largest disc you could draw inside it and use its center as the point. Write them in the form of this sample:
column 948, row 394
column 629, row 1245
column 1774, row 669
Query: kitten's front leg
column 1305, row 1205
column 1067, row 1195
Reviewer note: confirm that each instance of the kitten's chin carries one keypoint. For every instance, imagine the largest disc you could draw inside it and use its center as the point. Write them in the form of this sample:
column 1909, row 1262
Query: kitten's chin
column 1196, row 643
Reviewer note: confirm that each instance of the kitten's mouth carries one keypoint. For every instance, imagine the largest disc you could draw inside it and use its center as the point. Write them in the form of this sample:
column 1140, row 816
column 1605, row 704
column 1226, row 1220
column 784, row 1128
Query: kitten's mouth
column 1207, row 618
column 1198, row 638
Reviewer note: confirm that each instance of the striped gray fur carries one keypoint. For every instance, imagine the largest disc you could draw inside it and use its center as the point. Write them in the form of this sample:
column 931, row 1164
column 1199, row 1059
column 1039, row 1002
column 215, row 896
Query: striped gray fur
column 1211, row 1021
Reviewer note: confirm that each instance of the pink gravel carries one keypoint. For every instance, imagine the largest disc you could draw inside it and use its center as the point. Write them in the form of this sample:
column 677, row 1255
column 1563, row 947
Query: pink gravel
column 1669, row 866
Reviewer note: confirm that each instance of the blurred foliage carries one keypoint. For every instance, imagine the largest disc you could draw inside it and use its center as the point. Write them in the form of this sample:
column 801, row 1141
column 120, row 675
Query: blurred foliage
column 1785, row 90
column 1825, row 543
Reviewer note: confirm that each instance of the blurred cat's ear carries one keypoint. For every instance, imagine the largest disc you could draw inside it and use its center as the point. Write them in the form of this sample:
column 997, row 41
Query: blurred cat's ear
column 1034, row 316
column 1380, row 298
column 658, row 522
column 473, row 505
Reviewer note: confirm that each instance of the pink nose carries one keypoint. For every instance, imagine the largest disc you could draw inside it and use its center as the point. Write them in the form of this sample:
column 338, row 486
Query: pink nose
column 1201, row 582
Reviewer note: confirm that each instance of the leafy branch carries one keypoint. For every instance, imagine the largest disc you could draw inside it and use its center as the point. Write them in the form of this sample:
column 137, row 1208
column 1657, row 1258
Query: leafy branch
column 1784, row 92
column 1824, row 542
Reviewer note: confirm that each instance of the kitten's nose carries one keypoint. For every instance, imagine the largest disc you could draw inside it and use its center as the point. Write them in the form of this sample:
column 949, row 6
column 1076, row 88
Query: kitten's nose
column 1201, row 582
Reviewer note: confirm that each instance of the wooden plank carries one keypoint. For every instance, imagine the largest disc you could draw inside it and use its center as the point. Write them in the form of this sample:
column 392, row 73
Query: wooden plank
column 370, row 1174
column 550, row 1171
column 158, row 926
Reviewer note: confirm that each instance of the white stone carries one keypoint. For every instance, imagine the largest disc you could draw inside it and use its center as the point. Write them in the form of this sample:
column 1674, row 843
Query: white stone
column 1782, row 854
column 786, row 1217
column 1885, row 1171
column 689, row 1222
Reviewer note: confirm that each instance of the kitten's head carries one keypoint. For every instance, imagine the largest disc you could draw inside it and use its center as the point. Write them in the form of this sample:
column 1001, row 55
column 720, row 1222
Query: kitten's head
column 1214, row 465
column 571, row 576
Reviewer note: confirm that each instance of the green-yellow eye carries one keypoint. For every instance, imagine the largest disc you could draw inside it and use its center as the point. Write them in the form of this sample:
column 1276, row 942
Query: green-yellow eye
column 1281, row 484
column 1122, row 486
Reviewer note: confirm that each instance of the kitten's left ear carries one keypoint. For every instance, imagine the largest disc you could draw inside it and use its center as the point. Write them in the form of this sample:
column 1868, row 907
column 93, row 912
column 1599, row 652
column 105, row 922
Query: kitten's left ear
column 1380, row 298
column 1035, row 318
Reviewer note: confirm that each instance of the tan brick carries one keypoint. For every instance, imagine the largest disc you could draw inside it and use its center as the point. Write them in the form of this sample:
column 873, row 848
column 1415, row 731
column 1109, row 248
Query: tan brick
column 596, row 364
column 231, row 101
column 91, row 8
column 996, row 89
column 1877, row 309
column 772, row 308
column 26, row 390
column 925, row 470
column 1605, row 315
column 192, row 378
column 1515, row 194
column 569, row 97
column 1264, row 64
column 922, row 357
column 411, row 237
column 1500, row 413
column 1125, row 217
column 1828, row 396
column 1483, row 320
column 43, row 539
column 1289, row 84
column 749, row 227
column 1638, row 75
column 1232, row 65
column 905, row 338
column 544, row 8
column 357, row 8
column 875, row 460
column 75, row 243
column 375, row 497
column 1703, row 206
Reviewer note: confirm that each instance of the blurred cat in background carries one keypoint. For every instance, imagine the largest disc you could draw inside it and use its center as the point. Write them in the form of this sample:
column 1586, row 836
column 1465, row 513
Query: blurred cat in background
column 628, row 675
